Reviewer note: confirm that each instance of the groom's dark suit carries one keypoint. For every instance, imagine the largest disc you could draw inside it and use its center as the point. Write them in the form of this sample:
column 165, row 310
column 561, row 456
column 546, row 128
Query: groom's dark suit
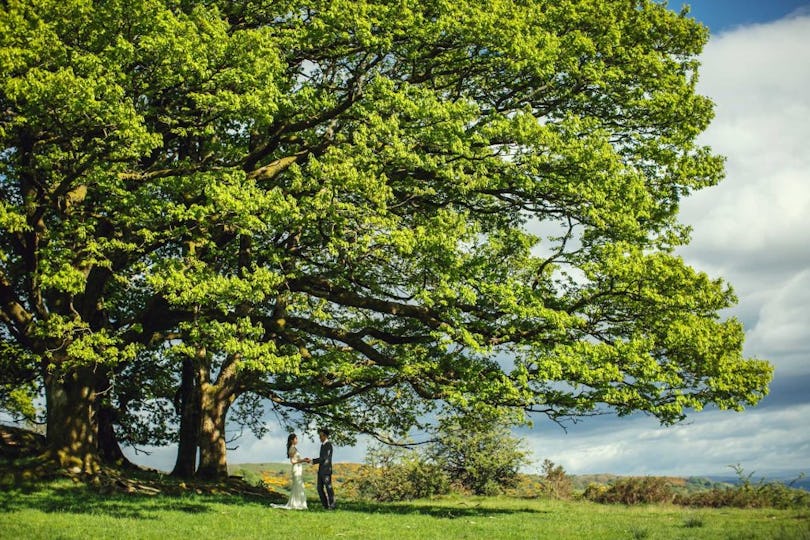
column 324, row 462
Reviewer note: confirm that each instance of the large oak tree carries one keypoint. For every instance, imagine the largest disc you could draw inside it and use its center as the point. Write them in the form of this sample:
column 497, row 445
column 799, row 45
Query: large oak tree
column 357, row 210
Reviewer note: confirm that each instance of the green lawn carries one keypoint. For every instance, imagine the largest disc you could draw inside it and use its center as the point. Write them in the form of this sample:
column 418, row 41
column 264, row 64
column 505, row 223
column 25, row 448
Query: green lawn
column 63, row 509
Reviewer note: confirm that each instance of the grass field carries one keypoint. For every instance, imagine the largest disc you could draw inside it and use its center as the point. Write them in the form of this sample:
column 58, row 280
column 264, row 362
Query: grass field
column 63, row 509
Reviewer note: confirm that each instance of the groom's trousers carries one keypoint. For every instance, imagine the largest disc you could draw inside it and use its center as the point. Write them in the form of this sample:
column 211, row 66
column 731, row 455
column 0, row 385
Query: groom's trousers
column 325, row 491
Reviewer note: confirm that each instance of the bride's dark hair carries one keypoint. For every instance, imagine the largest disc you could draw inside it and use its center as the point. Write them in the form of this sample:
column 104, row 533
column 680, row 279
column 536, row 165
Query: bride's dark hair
column 290, row 439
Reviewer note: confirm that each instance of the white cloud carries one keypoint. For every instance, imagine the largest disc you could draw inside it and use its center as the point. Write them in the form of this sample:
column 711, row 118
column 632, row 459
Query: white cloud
column 759, row 80
column 783, row 320
column 754, row 228
column 766, row 441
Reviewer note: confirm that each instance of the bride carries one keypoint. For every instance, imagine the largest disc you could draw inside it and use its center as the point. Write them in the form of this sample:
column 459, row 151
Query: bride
column 298, row 497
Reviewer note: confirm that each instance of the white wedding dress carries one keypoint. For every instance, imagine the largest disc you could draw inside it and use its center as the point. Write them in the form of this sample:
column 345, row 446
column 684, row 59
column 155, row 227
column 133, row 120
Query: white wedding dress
column 298, row 497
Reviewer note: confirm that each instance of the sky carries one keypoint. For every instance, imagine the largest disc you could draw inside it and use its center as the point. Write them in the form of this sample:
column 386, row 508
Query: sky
column 753, row 230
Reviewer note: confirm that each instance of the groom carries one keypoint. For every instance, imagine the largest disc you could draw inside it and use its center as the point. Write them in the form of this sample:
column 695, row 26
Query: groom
column 324, row 462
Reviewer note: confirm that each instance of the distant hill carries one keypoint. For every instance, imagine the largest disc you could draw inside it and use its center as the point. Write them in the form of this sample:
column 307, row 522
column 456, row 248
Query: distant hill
column 699, row 483
column 792, row 480
column 257, row 468
column 277, row 474
column 680, row 483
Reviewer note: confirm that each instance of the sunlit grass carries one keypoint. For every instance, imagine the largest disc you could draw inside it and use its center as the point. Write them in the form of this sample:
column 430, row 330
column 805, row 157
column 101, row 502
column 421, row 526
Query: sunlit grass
column 63, row 509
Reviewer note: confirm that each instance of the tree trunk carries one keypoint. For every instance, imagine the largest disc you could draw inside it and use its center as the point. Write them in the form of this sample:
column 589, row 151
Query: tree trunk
column 72, row 432
column 189, row 406
column 213, row 453
column 108, row 448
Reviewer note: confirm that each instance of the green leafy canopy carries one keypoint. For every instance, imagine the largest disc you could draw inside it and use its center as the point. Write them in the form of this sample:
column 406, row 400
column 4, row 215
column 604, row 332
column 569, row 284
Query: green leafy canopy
column 357, row 209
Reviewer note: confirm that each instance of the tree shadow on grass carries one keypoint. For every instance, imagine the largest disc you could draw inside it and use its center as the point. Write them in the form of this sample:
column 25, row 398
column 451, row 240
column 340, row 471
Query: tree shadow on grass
column 139, row 494
column 460, row 510
column 76, row 498
column 80, row 500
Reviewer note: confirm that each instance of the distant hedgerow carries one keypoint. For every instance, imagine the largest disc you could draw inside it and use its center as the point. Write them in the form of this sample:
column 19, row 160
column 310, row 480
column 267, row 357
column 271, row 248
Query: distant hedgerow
column 632, row 490
column 645, row 490
column 749, row 495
